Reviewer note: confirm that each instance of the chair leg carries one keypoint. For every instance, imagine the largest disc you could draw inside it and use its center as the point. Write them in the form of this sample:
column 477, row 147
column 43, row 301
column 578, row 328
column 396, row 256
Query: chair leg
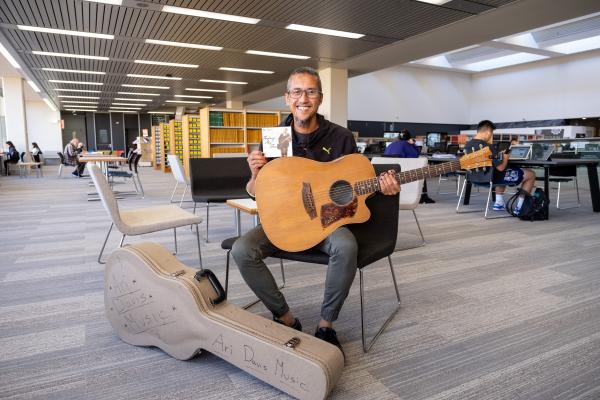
column 367, row 346
column 175, row 239
column 104, row 244
column 460, row 200
column 140, row 184
column 423, row 243
column 183, row 195
column 200, row 251
column 207, row 207
column 558, row 197
column 173, row 194
column 227, row 273
column 122, row 240
column 487, row 203
column 60, row 170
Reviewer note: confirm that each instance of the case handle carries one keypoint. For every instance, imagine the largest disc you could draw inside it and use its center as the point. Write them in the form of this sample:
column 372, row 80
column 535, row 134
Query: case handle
column 207, row 273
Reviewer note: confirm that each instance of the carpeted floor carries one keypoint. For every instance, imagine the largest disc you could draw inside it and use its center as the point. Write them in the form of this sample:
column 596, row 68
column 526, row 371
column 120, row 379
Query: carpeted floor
column 500, row 309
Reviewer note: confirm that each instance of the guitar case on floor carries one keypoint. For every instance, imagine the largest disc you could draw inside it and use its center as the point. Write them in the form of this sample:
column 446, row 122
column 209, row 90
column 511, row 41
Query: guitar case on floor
column 152, row 299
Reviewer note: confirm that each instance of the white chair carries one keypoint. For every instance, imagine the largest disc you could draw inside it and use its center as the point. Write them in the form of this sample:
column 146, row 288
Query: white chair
column 179, row 175
column 143, row 220
column 410, row 193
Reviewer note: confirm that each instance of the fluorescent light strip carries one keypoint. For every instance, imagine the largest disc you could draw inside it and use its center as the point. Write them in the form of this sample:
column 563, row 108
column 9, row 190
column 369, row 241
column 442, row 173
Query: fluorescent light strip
column 49, row 104
column 181, row 44
column 128, row 104
column 505, row 61
column 281, row 55
column 139, row 94
column 123, row 111
column 209, row 15
column 113, row 2
column 75, row 71
column 34, row 86
column 65, row 32
column 82, row 109
column 76, row 82
column 9, row 56
column 161, row 112
column 168, row 64
column 323, row 31
column 125, row 108
column 146, row 87
column 252, row 71
column 47, row 53
column 154, row 77
column 183, row 101
column 125, row 99
column 79, row 102
column 206, row 90
column 193, row 97
column 436, row 2
column 219, row 81
column 78, row 90
column 576, row 46
column 76, row 106
column 79, row 97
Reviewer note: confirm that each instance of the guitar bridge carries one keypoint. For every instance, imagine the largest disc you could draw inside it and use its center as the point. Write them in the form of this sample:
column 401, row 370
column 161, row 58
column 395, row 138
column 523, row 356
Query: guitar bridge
column 308, row 200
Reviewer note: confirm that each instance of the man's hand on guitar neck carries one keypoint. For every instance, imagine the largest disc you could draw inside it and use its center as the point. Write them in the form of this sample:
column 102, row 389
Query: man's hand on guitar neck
column 388, row 183
column 256, row 160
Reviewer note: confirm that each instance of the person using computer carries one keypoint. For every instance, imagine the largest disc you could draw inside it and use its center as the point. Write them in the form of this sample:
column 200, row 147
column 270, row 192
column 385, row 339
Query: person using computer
column 503, row 175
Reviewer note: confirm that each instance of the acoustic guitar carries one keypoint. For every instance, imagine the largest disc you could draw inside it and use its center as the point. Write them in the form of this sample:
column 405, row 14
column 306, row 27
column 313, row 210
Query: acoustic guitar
column 302, row 201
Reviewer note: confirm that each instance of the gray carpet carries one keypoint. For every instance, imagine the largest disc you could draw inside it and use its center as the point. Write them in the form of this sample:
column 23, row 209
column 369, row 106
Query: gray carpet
column 501, row 309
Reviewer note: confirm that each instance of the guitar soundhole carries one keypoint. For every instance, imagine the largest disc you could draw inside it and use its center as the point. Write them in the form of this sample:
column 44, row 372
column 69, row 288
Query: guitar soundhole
column 341, row 193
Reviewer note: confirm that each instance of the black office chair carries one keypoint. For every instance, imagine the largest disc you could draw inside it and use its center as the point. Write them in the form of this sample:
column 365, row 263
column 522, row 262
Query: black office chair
column 376, row 239
column 564, row 174
column 215, row 180
column 132, row 162
column 482, row 179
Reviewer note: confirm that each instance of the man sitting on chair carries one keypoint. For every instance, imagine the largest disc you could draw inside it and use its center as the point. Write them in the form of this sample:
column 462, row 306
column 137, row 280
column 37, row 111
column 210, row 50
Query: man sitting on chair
column 503, row 176
column 315, row 138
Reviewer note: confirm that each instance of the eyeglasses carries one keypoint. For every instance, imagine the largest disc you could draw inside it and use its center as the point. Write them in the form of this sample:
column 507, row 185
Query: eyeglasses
column 310, row 93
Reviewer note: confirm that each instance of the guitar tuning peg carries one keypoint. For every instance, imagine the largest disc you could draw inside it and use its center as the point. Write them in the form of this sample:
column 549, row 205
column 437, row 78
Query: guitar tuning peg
column 480, row 147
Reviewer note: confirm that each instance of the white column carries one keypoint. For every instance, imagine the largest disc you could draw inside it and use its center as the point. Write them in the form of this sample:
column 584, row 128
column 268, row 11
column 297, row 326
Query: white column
column 14, row 107
column 335, row 95
column 234, row 104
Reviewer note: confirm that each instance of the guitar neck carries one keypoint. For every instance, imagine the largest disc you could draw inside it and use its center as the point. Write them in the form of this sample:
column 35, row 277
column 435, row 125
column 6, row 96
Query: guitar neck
column 369, row 186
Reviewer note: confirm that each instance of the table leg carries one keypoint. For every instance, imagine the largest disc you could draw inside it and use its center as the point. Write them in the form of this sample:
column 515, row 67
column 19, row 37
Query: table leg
column 238, row 222
column 592, row 170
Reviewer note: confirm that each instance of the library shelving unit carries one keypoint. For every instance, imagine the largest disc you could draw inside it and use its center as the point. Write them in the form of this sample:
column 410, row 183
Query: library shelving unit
column 255, row 121
column 192, row 139
column 156, row 146
column 165, row 145
column 176, row 148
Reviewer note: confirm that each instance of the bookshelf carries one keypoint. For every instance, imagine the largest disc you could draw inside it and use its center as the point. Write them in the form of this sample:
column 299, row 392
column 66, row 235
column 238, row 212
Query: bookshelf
column 175, row 127
column 156, row 146
column 192, row 140
column 165, row 145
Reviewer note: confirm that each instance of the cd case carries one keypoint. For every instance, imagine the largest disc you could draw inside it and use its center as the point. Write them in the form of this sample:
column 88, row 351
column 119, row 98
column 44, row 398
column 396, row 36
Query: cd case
column 277, row 141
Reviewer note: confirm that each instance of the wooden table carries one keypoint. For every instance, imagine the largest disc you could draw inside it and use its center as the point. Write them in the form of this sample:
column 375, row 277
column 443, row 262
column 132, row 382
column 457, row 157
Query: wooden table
column 246, row 205
column 103, row 162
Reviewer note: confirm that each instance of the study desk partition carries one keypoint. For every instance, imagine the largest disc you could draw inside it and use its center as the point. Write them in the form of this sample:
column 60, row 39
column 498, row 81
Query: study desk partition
column 590, row 164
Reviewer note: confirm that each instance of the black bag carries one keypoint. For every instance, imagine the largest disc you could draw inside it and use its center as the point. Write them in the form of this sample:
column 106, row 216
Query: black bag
column 534, row 207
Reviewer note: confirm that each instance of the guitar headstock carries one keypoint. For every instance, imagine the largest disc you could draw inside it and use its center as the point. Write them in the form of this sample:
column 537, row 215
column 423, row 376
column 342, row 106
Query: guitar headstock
column 477, row 159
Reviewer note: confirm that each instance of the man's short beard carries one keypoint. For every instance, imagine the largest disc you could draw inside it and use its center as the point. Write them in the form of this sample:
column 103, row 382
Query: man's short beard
column 301, row 123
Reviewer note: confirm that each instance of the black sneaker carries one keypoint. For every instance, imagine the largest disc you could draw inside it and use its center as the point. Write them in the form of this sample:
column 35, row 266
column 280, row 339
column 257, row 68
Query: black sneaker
column 329, row 335
column 297, row 325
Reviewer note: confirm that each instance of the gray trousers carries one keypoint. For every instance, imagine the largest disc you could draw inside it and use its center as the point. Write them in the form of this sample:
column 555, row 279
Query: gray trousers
column 252, row 248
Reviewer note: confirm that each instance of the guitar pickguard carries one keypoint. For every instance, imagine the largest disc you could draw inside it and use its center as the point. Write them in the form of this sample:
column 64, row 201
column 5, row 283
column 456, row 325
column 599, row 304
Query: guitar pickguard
column 332, row 212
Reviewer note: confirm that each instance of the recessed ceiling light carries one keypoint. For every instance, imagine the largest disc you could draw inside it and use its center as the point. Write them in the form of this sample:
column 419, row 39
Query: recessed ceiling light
column 83, row 109
column 153, row 77
column 168, row 64
column 79, row 102
column 67, row 55
column 253, row 71
column 78, row 97
column 181, row 44
column 504, row 61
column 114, row 2
column 583, row 117
column 49, row 104
column 129, row 104
column 125, row 99
column 75, row 71
column 210, row 15
column 219, row 81
column 576, row 46
column 139, row 94
column 78, row 90
column 146, row 87
column 193, row 97
column 323, row 31
column 65, row 32
column 436, row 2
column 34, row 86
column 183, row 101
column 9, row 57
column 206, row 90
column 281, row 55
column 76, row 82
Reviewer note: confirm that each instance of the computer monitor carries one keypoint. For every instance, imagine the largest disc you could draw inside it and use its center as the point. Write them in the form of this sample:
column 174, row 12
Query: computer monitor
column 390, row 135
column 520, row 152
column 435, row 137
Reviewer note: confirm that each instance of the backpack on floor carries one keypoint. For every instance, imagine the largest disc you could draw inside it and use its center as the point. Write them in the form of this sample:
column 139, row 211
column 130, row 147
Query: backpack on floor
column 534, row 207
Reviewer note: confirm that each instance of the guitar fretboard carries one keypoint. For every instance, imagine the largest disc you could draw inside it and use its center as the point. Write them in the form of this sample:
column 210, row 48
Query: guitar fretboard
column 371, row 185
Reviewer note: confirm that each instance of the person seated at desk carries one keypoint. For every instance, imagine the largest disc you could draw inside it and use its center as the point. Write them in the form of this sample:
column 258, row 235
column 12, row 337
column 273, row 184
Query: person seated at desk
column 12, row 156
column 36, row 153
column 318, row 139
column 71, row 156
column 405, row 147
column 503, row 176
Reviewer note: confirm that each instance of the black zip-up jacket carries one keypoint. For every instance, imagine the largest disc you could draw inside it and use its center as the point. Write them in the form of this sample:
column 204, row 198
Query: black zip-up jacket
column 328, row 142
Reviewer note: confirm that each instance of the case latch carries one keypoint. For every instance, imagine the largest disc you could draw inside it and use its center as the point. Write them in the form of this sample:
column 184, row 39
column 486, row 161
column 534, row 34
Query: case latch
column 178, row 273
column 293, row 342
